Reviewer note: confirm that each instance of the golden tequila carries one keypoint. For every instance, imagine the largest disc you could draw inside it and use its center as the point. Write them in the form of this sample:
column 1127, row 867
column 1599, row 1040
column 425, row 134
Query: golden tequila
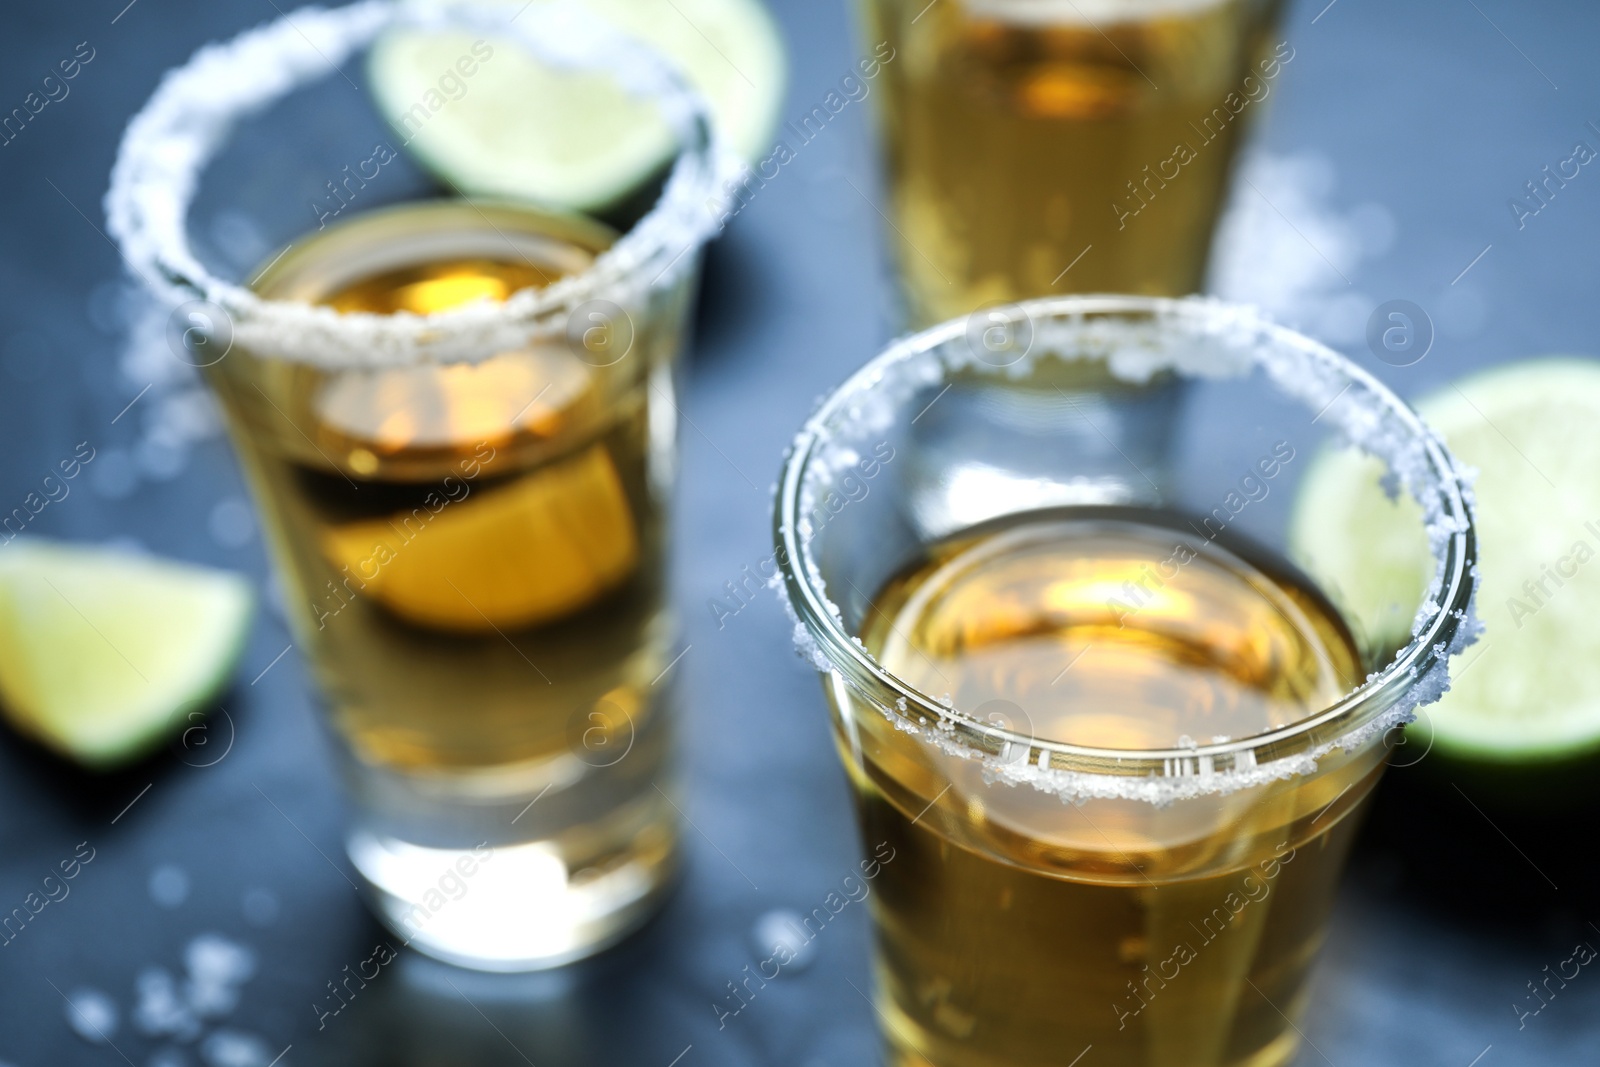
column 1016, row 929
column 1036, row 147
column 474, row 558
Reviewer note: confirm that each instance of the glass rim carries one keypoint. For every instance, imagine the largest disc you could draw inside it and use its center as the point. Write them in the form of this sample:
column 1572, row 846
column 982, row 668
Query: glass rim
column 170, row 141
column 1370, row 708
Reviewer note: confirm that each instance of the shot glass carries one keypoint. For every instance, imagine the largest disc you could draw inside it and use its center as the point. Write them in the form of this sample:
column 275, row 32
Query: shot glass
column 1108, row 743
column 1036, row 147
column 457, row 418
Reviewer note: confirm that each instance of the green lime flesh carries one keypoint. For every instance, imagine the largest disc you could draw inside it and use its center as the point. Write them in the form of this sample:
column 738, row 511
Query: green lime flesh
column 1529, row 691
column 104, row 654
column 514, row 127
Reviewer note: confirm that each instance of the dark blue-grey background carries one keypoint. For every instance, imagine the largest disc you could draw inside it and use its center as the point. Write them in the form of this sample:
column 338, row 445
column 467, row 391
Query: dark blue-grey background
column 1437, row 110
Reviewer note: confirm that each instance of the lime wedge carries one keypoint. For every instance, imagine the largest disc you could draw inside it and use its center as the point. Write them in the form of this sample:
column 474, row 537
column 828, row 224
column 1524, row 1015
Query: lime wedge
column 513, row 127
column 1530, row 690
column 103, row 653
column 521, row 555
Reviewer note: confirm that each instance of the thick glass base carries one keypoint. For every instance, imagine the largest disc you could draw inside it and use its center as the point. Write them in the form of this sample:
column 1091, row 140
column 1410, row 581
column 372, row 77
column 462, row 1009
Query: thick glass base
column 519, row 906
column 511, row 907
column 519, row 868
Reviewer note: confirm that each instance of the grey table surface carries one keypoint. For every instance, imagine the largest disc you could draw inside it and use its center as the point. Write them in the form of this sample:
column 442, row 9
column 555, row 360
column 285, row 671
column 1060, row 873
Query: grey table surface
column 1398, row 136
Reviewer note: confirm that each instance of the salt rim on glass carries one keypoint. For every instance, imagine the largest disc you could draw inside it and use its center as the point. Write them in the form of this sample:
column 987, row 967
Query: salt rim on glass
column 168, row 144
column 1196, row 337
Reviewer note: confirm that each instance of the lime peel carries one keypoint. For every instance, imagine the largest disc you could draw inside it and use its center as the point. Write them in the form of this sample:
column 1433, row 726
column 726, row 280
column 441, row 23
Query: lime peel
column 1528, row 428
column 520, row 127
column 104, row 653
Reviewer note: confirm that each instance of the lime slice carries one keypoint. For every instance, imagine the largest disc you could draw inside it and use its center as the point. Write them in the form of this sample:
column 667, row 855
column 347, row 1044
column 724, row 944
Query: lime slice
column 1530, row 690
column 517, row 128
column 528, row 553
column 103, row 653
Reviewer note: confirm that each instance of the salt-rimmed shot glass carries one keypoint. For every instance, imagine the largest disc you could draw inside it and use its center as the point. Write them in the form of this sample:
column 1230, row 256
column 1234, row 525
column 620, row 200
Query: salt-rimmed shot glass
column 458, row 420
column 1109, row 745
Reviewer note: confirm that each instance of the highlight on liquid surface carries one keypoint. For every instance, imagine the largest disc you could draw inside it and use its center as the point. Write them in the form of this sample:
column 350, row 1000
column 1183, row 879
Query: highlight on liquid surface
column 1046, row 146
column 534, row 546
column 1113, row 631
column 440, row 285
column 1016, row 929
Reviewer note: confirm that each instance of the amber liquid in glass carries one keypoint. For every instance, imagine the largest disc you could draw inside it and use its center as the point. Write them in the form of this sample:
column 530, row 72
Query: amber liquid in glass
column 480, row 544
column 1017, row 929
column 1026, row 137
column 474, row 555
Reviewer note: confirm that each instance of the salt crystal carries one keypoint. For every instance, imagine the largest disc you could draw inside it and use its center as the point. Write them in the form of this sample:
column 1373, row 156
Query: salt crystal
column 92, row 1015
column 234, row 1048
column 209, row 999
column 160, row 460
column 216, row 960
column 113, row 474
column 232, row 523
column 160, row 1011
column 169, row 885
column 782, row 933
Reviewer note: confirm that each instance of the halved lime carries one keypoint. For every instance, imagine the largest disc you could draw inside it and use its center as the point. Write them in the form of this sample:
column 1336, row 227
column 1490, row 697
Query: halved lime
column 1530, row 689
column 492, row 121
column 103, row 653
column 520, row 555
